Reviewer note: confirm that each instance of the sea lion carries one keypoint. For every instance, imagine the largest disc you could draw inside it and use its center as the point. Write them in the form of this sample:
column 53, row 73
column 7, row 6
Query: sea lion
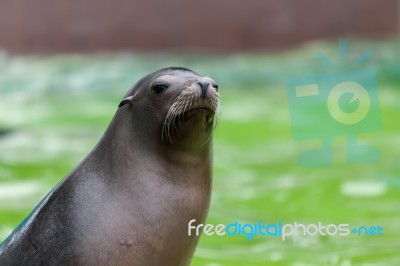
column 130, row 200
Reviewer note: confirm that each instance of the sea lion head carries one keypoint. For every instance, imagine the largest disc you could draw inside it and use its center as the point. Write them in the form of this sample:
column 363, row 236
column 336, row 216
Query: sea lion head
column 175, row 106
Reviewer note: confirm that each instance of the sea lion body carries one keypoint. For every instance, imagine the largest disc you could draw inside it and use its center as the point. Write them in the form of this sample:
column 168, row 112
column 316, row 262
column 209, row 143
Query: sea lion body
column 130, row 200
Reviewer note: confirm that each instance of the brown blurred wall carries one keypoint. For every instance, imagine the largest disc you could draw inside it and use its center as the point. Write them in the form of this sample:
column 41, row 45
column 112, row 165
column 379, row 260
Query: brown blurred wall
column 51, row 26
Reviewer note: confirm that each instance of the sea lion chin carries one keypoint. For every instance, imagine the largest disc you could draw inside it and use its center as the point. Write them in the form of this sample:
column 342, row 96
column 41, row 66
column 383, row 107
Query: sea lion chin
column 130, row 200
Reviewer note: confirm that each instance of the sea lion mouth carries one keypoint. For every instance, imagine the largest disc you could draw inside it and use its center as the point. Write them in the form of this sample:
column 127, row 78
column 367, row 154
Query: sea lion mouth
column 187, row 105
column 198, row 111
column 201, row 110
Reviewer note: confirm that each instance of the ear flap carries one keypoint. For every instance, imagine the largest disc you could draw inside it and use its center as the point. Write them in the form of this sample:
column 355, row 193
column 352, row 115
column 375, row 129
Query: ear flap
column 125, row 101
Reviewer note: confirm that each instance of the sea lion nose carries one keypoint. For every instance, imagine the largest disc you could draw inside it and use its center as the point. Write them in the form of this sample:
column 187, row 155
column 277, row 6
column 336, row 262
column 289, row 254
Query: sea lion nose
column 204, row 88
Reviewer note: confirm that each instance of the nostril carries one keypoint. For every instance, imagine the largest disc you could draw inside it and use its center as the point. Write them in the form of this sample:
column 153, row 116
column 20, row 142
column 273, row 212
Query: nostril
column 204, row 88
column 215, row 86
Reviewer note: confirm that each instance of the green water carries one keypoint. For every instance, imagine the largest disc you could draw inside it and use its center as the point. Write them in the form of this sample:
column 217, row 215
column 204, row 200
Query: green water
column 54, row 109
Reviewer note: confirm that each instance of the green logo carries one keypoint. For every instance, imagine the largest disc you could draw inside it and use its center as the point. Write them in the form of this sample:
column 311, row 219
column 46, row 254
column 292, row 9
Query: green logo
column 343, row 103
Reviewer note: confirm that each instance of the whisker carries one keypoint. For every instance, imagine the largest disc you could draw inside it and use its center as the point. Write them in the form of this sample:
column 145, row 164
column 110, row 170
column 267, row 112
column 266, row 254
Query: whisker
column 182, row 104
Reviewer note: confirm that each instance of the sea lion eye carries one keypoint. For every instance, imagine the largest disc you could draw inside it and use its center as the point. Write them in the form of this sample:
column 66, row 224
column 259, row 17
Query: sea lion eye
column 160, row 88
column 215, row 86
